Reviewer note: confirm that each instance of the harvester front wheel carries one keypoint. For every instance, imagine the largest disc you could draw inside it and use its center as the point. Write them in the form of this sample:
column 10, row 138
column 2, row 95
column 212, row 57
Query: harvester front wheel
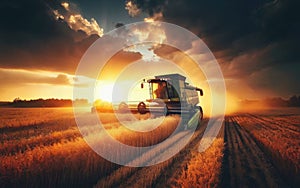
column 141, row 108
column 123, row 107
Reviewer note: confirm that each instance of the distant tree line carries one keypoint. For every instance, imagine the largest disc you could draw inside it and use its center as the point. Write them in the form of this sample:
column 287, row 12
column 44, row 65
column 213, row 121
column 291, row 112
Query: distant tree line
column 293, row 101
column 45, row 103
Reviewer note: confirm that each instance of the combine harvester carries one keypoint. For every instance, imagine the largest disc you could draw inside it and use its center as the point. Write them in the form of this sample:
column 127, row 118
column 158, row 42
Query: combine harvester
column 169, row 94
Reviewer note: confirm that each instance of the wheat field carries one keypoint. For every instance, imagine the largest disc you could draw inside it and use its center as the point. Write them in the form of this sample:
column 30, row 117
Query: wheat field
column 43, row 147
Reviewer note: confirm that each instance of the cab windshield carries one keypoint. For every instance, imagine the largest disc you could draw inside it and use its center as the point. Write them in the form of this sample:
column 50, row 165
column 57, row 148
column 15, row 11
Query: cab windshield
column 159, row 90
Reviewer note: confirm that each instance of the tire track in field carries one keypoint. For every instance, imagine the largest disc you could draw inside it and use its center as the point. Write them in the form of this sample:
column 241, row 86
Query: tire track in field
column 245, row 164
column 153, row 176
column 280, row 145
column 286, row 121
column 181, row 159
column 125, row 172
column 278, row 125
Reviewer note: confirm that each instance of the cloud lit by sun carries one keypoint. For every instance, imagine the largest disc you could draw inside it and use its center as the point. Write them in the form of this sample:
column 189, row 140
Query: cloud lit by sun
column 146, row 50
column 76, row 21
column 156, row 17
column 132, row 9
column 66, row 5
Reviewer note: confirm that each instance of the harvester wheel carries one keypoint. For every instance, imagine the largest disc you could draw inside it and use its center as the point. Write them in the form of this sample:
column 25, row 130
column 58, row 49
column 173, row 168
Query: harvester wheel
column 123, row 107
column 142, row 108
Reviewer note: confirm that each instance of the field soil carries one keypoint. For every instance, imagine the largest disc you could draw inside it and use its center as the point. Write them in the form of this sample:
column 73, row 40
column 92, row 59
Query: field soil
column 245, row 164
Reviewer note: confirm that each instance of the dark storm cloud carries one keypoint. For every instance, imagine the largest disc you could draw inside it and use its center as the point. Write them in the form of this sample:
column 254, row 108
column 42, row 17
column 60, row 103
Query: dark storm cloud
column 32, row 38
column 247, row 37
column 151, row 7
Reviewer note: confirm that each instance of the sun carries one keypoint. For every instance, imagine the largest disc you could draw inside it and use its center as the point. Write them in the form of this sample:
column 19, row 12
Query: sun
column 104, row 91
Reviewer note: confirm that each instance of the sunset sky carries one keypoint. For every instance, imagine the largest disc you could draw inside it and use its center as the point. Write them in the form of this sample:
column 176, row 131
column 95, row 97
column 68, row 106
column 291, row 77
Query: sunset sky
column 42, row 41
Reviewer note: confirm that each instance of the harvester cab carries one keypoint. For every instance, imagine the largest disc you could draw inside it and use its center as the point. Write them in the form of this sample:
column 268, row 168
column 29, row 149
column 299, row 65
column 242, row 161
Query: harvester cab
column 171, row 94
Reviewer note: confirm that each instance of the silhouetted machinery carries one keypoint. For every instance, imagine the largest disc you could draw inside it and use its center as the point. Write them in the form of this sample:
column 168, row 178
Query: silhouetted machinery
column 171, row 94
